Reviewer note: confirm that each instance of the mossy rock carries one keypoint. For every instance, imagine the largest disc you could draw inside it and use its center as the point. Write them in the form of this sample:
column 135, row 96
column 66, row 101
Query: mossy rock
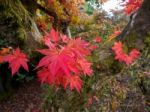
column 108, row 63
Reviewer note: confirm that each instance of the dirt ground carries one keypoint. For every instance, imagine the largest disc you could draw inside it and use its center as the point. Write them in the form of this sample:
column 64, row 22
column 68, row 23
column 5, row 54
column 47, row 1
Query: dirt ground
column 27, row 98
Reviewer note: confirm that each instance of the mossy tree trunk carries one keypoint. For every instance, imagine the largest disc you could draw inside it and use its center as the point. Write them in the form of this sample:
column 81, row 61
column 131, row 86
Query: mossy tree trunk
column 137, row 32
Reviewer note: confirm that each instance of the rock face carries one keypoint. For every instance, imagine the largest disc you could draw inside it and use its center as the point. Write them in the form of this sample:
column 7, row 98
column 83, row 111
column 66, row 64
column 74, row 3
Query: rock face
column 17, row 29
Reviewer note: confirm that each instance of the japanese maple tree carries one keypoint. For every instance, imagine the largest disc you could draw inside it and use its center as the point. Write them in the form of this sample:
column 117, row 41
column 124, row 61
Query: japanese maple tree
column 64, row 61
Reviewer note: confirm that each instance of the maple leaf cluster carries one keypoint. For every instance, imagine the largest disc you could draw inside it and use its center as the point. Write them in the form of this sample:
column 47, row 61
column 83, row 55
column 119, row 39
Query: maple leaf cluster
column 121, row 56
column 16, row 60
column 65, row 61
column 63, row 64
column 132, row 5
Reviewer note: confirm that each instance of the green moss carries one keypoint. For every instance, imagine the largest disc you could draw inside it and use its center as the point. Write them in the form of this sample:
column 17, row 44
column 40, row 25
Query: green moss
column 22, row 36
column 16, row 21
column 111, row 65
column 130, row 41
column 107, row 62
column 116, row 67
column 147, row 41
column 137, row 40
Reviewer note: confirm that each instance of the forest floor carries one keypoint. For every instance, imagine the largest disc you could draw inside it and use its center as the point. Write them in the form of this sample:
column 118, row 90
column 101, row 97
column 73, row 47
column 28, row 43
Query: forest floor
column 27, row 98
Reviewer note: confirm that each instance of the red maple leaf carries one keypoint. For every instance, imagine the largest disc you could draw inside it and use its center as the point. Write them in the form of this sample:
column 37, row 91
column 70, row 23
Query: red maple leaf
column 132, row 5
column 56, row 60
column 97, row 39
column 85, row 67
column 79, row 47
column 75, row 83
column 134, row 54
column 16, row 60
column 93, row 47
column 117, row 47
column 91, row 100
column 43, row 75
column 52, row 36
column 64, row 38
column 117, row 32
column 121, row 56
column 47, row 42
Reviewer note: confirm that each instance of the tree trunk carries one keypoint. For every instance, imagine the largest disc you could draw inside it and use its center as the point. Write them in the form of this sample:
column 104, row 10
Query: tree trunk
column 137, row 32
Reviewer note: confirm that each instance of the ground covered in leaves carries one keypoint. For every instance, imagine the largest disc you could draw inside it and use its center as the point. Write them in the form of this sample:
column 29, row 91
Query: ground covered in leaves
column 27, row 98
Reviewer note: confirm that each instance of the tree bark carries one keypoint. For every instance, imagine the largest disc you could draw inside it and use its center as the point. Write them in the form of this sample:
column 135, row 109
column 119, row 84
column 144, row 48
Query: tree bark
column 138, row 29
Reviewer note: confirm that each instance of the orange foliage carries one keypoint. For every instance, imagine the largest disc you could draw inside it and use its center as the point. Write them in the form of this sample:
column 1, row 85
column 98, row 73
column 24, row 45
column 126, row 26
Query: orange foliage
column 3, row 52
